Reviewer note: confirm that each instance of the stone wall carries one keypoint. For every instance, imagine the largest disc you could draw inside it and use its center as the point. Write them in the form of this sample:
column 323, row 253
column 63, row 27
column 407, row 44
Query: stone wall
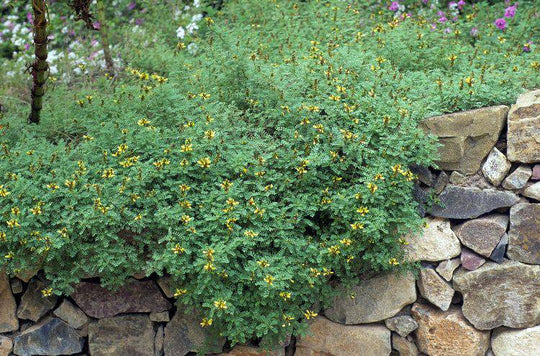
column 478, row 292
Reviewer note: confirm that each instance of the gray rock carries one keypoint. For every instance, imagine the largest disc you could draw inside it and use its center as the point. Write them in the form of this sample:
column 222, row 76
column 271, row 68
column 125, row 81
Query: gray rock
column 71, row 314
column 402, row 324
column 521, row 342
column 134, row 297
column 164, row 284
column 403, row 346
column 441, row 182
column 423, row 173
column 524, row 234
column 184, row 334
column 50, row 337
column 500, row 250
column 483, row 234
column 434, row 289
column 503, row 294
column 328, row 338
column 436, row 242
column 466, row 137
column 16, row 286
column 158, row 342
column 161, row 317
column 518, row 178
column 457, row 178
column 468, row 203
column 33, row 305
column 122, row 335
column 471, row 260
column 523, row 136
column 496, row 167
column 374, row 300
column 536, row 172
column 532, row 191
column 446, row 268
column 447, row 333
column 6, row 345
column 8, row 307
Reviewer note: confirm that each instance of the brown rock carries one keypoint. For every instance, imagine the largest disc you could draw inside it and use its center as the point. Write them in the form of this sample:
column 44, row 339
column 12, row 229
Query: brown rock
column 161, row 317
column 242, row 350
column 122, row 335
column 436, row 242
column 374, row 300
column 505, row 294
column 71, row 314
column 403, row 346
column 483, row 234
column 524, row 234
column 536, row 172
column 532, row 191
column 471, row 260
column 16, row 286
column 33, row 305
column 6, row 345
column 466, row 137
column 524, row 129
column 184, row 334
column 134, row 297
column 8, row 307
column 447, row 333
column 446, row 268
column 158, row 341
column 165, row 284
column 435, row 289
column 326, row 338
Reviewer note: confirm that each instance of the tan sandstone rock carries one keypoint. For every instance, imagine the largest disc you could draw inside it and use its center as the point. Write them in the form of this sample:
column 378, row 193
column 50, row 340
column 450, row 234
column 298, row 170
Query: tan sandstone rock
column 447, row 333
column 466, row 137
column 8, row 307
column 326, row 338
column 436, row 242
column 374, row 300
column 505, row 294
column 516, row 342
column 523, row 137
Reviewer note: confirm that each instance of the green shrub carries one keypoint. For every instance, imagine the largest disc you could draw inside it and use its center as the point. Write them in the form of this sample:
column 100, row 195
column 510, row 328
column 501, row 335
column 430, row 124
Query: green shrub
column 259, row 172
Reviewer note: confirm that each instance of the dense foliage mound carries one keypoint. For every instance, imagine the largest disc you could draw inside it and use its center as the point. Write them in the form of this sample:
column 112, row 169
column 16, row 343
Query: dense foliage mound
column 258, row 168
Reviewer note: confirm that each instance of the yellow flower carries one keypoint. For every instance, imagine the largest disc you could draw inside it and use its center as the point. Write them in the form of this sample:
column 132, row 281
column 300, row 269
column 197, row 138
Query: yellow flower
column 362, row 210
column 15, row 210
column 393, row 262
column 184, row 188
column 372, row 187
column 186, row 219
column 9, row 255
column 263, row 263
column 70, row 184
column 357, row 226
column 226, row 185
column 3, row 191
column 108, row 173
column 177, row 249
column 204, row 162
column 179, row 292
column 138, row 217
column 13, row 223
column 206, row 322
column 210, row 134
column 287, row 319
column 346, row 242
column 46, row 292
column 250, row 233
column 310, row 314
column 52, row 186
column 188, row 147
column 285, row 295
column 2, row 236
column 209, row 267
column 220, row 304
column 269, row 279
column 334, row 250
column 143, row 122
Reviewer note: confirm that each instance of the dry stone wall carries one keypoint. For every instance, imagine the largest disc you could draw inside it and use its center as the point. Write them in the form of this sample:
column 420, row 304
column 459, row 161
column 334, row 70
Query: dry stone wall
column 477, row 294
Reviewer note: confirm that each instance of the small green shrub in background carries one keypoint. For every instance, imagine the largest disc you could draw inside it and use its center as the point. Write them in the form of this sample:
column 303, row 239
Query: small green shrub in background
column 259, row 169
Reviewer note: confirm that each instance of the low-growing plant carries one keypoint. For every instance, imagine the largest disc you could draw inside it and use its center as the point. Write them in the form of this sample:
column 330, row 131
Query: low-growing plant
column 261, row 169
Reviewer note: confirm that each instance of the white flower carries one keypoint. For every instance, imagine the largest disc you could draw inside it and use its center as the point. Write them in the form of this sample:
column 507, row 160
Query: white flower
column 192, row 48
column 196, row 18
column 192, row 27
column 180, row 32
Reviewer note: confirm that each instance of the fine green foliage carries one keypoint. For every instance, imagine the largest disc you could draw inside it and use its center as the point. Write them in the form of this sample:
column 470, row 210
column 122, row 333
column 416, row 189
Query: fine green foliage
column 259, row 171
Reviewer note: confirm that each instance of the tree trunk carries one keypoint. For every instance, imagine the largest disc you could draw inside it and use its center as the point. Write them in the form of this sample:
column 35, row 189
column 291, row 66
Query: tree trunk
column 40, row 66
column 104, row 34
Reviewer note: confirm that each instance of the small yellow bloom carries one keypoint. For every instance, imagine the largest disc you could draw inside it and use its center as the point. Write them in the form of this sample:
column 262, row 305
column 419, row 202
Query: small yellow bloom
column 310, row 314
column 46, row 292
column 263, row 263
column 362, row 210
column 108, row 173
column 220, row 304
column 177, row 249
column 3, row 191
column 285, row 295
column 206, row 322
column 13, row 223
column 52, row 186
column 179, row 292
column 269, row 279
column 204, row 162
column 143, row 122
column 357, row 226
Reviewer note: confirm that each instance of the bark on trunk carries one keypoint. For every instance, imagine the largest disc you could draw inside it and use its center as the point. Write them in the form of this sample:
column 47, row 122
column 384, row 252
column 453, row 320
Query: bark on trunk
column 40, row 66
column 104, row 34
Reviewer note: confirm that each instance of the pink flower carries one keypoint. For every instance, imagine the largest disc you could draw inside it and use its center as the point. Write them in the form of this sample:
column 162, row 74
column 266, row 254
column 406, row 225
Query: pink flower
column 29, row 17
column 460, row 4
column 510, row 11
column 443, row 19
column 500, row 23
column 527, row 46
column 474, row 31
column 97, row 25
column 394, row 6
